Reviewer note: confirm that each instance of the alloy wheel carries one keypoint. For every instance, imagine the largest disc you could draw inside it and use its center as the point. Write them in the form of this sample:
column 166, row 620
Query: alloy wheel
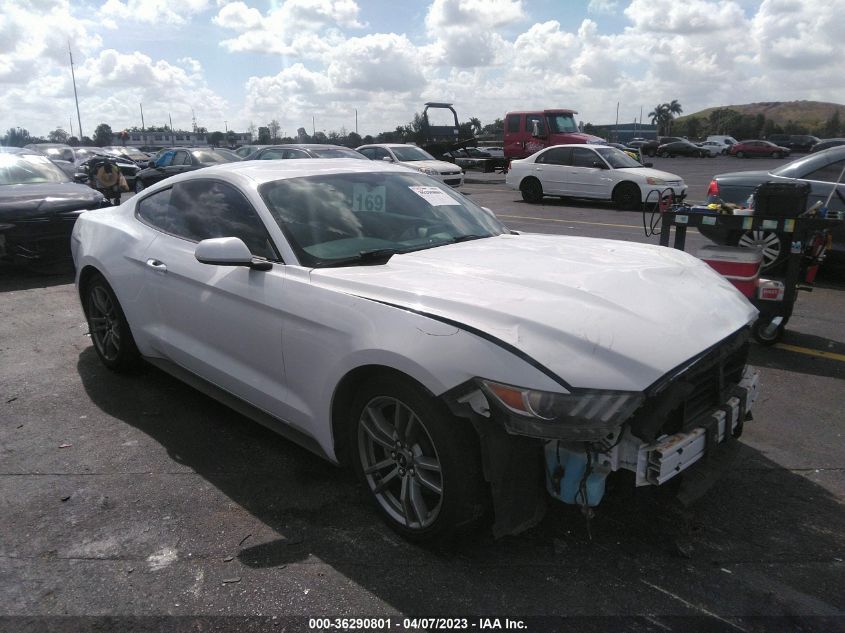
column 400, row 462
column 767, row 241
column 104, row 322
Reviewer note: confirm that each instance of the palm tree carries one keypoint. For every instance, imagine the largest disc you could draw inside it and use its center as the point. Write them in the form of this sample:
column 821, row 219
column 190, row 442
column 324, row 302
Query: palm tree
column 659, row 116
column 673, row 108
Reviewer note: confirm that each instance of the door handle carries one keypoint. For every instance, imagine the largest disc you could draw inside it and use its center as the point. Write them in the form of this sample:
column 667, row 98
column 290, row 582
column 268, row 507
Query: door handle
column 157, row 265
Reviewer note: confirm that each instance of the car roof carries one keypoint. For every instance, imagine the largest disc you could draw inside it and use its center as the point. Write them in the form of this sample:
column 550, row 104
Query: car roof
column 267, row 171
column 389, row 145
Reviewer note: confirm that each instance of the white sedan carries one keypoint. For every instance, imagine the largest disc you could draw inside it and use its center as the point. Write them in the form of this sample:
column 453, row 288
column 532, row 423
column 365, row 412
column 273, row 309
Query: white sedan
column 415, row 158
column 381, row 319
column 591, row 171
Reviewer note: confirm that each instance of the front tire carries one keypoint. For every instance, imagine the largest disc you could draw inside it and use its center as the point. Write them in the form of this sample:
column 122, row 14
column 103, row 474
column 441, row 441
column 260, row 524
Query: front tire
column 107, row 324
column 740, row 154
column 532, row 190
column 627, row 196
column 420, row 465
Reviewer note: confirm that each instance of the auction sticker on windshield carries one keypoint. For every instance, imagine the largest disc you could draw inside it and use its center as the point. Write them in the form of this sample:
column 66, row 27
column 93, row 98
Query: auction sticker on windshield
column 365, row 198
column 434, row 196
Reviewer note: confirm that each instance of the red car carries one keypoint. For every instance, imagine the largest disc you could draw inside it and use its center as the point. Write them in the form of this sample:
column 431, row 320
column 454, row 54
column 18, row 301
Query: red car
column 747, row 149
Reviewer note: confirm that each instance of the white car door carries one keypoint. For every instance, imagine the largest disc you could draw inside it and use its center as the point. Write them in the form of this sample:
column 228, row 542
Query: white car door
column 585, row 179
column 552, row 170
column 222, row 323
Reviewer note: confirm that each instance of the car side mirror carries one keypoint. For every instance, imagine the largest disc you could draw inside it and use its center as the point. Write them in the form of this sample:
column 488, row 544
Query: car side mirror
column 599, row 165
column 387, row 159
column 535, row 129
column 228, row 251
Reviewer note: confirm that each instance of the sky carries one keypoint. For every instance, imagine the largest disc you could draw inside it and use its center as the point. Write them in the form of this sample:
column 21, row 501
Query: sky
column 236, row 63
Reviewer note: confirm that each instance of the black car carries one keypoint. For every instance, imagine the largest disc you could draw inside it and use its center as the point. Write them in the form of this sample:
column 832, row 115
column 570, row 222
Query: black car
column 178, row 160
column 820, row 170
column 127, row 167
column 827, row 143
column 304, row 150
column 473, row 158
column 802, row 142
column 650, row 147
column 39, row 205
column 681, row 148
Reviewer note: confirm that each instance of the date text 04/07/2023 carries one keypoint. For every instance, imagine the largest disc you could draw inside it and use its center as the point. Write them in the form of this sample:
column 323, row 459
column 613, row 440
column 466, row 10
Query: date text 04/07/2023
column 411, row 624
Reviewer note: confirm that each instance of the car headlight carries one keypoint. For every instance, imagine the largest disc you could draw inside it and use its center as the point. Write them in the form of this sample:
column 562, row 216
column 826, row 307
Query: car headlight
column 655, row 181
column 583, row 416
column 429, row 171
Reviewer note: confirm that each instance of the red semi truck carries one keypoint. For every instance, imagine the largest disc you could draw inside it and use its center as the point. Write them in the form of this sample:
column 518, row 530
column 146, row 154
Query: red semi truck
column 530, row 131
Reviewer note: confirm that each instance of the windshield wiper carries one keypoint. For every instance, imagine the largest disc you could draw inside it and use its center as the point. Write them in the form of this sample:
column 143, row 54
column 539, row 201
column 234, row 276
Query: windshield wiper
column 374, row 256
column 467, row 238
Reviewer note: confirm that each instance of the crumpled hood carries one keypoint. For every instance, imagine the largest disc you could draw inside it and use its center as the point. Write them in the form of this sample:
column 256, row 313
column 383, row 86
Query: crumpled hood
column 439, row 165
column 648, row 172
column 33, row 201
column 601, row 314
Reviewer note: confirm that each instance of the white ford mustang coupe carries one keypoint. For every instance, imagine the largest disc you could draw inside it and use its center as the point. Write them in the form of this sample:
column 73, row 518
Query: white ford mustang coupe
column 591, row 171
column 383, row 320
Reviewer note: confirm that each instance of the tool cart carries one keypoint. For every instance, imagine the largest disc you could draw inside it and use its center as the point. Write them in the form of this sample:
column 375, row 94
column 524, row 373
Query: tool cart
column 775, row 298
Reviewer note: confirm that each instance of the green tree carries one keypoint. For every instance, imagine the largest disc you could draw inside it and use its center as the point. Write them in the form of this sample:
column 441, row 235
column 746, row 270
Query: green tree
column 353, row 139
column 58, row 136
column 17, row 137
column 659, row 117
column 102, row 135
column 264, row 135
column 215, row 138
column 274, row 127
column 832, row 126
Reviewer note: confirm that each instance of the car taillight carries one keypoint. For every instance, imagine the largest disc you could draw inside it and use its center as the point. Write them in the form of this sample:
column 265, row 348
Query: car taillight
column 713, row 189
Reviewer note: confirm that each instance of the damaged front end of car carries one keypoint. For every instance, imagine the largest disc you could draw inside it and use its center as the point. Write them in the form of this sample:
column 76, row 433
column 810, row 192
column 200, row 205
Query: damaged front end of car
column 569, row 443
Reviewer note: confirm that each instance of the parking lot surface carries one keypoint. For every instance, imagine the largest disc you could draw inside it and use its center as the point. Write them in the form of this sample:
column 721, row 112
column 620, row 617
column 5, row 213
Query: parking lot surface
column 137, row 498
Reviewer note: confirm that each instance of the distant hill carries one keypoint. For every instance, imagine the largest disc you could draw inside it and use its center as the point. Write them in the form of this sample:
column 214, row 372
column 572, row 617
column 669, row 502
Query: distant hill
column 808, row 114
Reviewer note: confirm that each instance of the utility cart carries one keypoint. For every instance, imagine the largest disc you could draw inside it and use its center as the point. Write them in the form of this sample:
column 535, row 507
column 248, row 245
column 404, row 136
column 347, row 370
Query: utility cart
column 775, row 298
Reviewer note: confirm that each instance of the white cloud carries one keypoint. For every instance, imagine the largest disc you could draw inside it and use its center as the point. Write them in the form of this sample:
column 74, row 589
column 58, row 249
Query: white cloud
column 690, row 18
column 377, row 63
column 119, row 12
column 301, row 27
column 606, row 7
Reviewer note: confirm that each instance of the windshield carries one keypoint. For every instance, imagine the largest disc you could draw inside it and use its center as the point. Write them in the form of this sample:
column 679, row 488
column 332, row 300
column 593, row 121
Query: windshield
column 335, row 217
column 28, row 169
column 337, row 152
column 410, row 154
column 616, row 158
column 210, row 157
column 562, row 123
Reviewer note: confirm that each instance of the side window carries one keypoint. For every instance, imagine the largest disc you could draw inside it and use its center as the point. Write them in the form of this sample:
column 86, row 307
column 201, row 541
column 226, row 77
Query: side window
column 583, row 157
column 272, row 154
column 155, row 211
column 369, row 152
column 555, row 156
column 181, row 158
column 295, row 153
column 379, row 153
column 828, row 173
column 165, row 159
column 529, row 124
column 512, row 123
column 207, row 208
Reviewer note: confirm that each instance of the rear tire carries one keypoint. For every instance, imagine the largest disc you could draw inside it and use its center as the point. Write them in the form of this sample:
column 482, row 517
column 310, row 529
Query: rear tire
column 420, row 465
column 775, row 248
column 775, row 154
column 740, row 154
column 627, row 196
column 532, row 190
column 109, row 329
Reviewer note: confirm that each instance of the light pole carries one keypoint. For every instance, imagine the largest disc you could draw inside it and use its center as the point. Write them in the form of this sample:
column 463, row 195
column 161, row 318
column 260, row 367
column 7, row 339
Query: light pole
column 75, row 96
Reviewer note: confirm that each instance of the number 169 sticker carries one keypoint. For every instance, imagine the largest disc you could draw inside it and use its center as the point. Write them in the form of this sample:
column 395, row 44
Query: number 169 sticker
column 366, row 198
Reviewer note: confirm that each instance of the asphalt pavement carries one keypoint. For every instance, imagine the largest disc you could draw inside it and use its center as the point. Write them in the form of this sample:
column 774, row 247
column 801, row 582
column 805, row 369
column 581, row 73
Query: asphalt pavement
column 136, row 503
